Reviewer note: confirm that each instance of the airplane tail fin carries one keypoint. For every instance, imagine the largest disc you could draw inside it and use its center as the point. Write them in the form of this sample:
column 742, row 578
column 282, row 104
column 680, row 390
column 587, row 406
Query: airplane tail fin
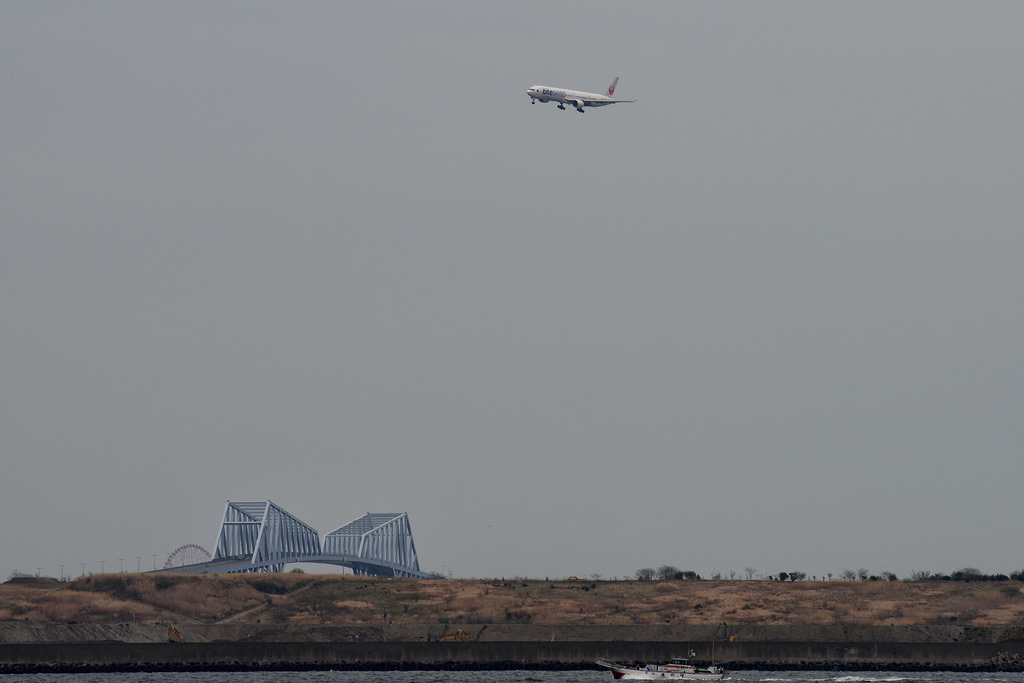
column 611, row 88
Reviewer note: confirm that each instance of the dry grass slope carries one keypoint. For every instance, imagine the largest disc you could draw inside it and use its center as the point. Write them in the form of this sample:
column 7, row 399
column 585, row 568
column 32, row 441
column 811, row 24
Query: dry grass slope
column 335, row 599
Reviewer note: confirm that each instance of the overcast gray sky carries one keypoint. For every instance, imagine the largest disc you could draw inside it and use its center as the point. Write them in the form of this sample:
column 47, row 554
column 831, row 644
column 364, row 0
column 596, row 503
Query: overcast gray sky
column 328, row 254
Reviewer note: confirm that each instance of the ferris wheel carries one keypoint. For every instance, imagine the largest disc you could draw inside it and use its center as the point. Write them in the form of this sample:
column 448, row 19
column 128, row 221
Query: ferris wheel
column 190, row 553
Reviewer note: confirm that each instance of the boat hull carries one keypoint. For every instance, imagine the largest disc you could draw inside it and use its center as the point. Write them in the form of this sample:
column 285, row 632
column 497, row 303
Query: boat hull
column 662, row 673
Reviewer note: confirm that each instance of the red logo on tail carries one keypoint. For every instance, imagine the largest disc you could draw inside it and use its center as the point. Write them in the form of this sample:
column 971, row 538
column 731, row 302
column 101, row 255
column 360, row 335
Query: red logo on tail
column 611, row 89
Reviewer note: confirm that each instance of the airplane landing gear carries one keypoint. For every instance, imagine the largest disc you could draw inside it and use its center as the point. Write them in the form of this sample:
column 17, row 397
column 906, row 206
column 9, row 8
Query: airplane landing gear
column 562, row 107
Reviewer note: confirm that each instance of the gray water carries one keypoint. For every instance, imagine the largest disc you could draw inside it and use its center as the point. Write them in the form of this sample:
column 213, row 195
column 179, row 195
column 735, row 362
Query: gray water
column 499, row 677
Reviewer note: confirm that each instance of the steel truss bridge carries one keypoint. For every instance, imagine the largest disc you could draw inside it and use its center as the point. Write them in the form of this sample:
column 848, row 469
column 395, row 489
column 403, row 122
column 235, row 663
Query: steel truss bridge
column 263, row 537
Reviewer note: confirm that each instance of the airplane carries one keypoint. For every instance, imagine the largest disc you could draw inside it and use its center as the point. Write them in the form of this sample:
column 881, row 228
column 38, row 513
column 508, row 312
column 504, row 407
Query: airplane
column 576, row 98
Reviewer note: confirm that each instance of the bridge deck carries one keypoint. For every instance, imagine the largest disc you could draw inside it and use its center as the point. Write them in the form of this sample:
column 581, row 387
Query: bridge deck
column 362, row 565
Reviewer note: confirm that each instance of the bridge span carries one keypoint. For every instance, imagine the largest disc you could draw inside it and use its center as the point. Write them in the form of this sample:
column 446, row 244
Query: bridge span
column 262, row 537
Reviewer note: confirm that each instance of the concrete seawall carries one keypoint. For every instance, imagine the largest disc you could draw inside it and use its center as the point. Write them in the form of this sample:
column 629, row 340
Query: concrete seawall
column 123, row 656
column 153, row 632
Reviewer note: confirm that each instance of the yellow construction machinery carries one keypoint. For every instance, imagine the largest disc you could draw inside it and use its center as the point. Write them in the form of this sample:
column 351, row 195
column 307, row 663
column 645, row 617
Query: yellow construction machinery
column 458, row 636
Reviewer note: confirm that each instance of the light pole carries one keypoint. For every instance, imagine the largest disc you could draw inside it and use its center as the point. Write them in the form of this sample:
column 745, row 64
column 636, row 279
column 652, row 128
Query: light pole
column 103, row 566
column 62, row 573
column 138, row 564
column 83, row 569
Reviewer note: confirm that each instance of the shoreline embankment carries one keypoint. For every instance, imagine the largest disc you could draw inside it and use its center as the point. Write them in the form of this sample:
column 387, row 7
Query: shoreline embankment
column 56, row 648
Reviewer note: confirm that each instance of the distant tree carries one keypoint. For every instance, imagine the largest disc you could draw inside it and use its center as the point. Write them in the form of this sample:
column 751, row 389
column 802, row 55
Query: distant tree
column 849, row 574
column 688, row 575
column 968, row 574
column 666, row 572
column 919, row 575
column 863, row 574
column 645, row 574
column 1017, row 576
column 889, row 576
column 750, row 573
column 595, row 577
column 783, row 576
column 797, row 576
column 732, row 575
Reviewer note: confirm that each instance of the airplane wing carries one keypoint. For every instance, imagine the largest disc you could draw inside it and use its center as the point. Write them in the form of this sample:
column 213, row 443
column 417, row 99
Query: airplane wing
column 601, row 101
column 580, row 102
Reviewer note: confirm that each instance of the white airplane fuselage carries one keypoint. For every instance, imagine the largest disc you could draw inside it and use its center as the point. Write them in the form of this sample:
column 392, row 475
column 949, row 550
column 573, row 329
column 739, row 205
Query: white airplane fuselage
column 576, row 98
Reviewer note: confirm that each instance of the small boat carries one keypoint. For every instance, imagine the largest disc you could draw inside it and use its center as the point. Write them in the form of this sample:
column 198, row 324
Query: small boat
column 676, row 669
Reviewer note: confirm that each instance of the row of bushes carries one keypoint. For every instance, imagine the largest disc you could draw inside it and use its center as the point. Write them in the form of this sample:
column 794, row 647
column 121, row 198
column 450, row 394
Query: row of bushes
column 973, row 575
column 668, row 572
